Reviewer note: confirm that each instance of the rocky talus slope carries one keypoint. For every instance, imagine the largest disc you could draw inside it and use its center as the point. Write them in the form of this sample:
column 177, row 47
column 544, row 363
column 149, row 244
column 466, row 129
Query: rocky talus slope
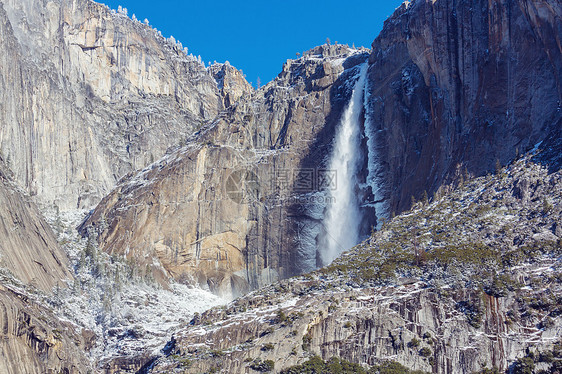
column 470, row 280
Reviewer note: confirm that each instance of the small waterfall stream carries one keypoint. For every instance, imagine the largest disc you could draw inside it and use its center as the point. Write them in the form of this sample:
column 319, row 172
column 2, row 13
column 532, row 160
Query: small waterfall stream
column 342, row 219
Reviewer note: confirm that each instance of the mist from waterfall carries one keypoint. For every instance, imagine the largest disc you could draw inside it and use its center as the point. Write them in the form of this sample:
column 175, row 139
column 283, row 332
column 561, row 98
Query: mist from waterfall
column 342, row 220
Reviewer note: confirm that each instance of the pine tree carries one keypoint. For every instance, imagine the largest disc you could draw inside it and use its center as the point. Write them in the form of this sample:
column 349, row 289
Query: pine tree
column 117, row 279
column 90, row 248
column 58, row 221
column 76, row 286
column 148, row 277
column 425, row 198
column 82, row 260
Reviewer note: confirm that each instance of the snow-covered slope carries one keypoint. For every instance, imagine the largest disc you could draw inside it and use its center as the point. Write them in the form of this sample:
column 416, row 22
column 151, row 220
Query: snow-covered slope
column 468, row 280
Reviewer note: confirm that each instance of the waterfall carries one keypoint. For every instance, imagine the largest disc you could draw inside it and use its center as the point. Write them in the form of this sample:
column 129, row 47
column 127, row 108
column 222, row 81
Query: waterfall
column 343, row 217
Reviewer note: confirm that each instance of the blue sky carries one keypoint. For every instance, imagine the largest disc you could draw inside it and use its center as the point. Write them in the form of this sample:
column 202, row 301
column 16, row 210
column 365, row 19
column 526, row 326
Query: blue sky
column 258, row 36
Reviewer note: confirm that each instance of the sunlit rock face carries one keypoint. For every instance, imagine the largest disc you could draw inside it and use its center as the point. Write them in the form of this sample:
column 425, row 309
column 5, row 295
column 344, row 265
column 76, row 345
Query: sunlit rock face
column 29, row 250
column 231, row 82
column 447, row 313
column 195, row 176
column 88, row 96
column 34, row 339
column 223, row 211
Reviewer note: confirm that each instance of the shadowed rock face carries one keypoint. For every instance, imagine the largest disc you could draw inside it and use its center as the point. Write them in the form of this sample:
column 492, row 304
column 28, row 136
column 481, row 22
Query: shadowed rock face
column 461, row 84
column 88, row 96
column 28, row 248
column 447, row 313
column 35, row 341
column 231, row 83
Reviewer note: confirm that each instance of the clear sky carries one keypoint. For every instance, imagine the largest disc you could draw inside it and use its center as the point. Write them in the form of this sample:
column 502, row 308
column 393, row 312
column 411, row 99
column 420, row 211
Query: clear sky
column 258, row 36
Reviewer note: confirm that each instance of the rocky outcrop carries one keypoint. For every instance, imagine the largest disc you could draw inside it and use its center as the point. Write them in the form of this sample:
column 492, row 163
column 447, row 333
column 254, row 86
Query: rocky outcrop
column 367, row 327
column 89, row 95
column 231, row 82
column 35, row 341
column 414, row 293
column 461, row 84
column 222, row 210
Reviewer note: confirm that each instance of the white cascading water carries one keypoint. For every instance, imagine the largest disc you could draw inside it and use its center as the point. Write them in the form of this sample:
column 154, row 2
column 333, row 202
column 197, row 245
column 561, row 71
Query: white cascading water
column 343, row 218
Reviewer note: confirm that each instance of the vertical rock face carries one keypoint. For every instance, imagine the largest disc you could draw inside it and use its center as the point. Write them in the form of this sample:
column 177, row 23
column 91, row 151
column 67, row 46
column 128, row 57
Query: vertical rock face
column 33, row 340
column 28, row 248
column 457, row 83
column 486, row 292
column 231, row 83
column 451, row 87
column 223, row 209
column 89, row 95
column 231, row 198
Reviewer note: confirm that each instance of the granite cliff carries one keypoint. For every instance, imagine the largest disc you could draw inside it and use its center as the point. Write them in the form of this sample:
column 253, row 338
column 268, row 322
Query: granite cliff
column 182, row 177
column 32, row 264
column 89, row 95
column 461, row 85
column 215, row 209
column 452, row 88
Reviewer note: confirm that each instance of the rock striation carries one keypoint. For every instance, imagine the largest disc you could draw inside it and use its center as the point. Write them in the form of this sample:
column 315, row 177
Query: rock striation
column 451, row 89
column 197, row 177
column 35, row 340
column 32, row 264
column 231, row 83
column 457, row 85
column 29, row 250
